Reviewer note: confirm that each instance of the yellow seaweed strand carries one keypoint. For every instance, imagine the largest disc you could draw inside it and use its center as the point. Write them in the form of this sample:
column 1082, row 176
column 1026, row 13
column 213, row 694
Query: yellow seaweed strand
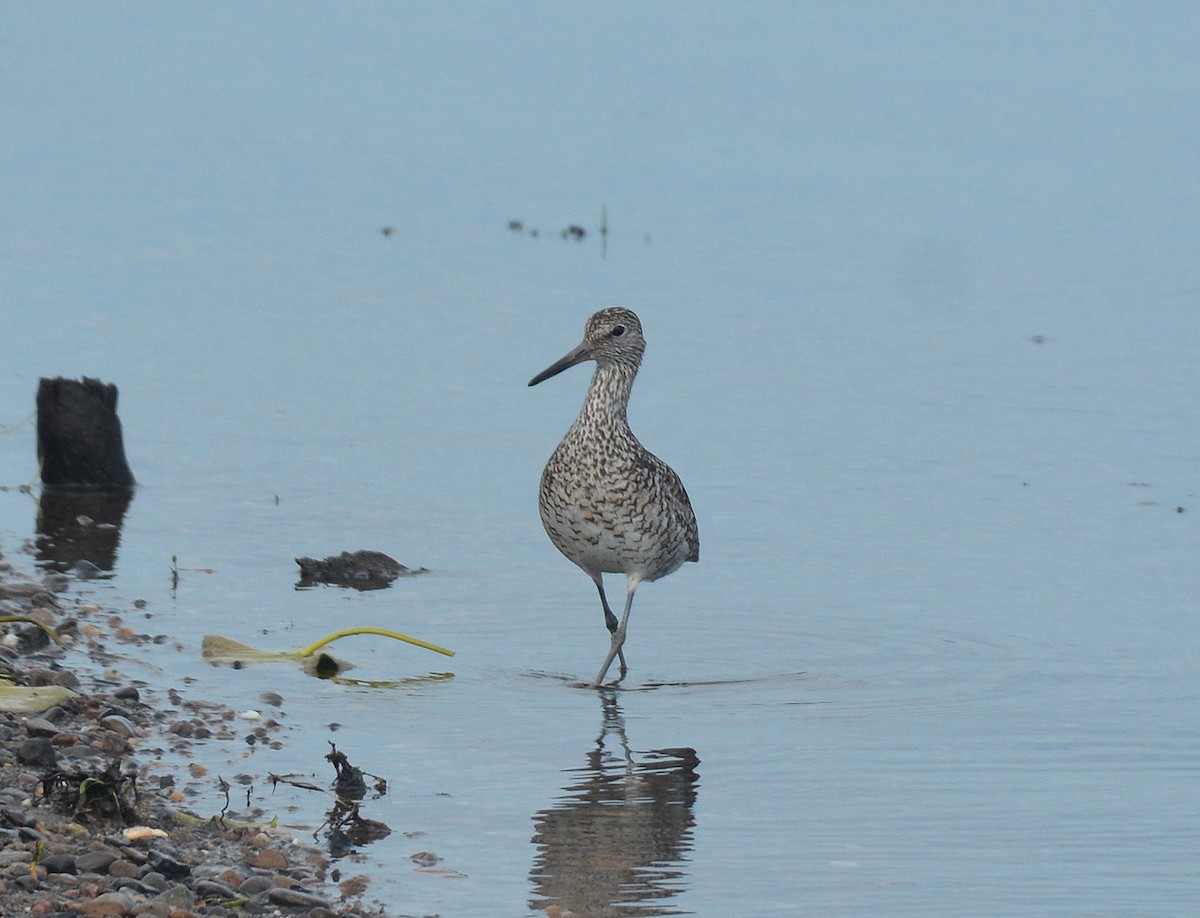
column 33, row 621
column 382, row 632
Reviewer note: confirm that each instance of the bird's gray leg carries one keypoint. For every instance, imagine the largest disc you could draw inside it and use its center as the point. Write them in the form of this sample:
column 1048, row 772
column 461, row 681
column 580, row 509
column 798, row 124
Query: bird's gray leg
column 610, row 621
column 618, row 636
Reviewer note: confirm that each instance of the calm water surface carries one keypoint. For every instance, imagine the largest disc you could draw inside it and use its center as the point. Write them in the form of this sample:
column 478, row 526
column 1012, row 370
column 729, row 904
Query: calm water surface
column 920, row 287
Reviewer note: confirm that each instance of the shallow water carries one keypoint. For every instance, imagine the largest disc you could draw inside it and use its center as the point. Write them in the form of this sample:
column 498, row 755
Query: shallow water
column 919, row 289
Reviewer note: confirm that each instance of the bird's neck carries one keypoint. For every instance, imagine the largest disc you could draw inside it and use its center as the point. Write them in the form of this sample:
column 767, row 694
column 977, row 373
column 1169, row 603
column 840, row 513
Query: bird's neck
column 608, row 396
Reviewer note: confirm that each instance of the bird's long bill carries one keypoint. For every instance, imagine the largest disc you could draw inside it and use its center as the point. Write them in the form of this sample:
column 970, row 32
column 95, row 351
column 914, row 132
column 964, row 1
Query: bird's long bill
column 578, row 355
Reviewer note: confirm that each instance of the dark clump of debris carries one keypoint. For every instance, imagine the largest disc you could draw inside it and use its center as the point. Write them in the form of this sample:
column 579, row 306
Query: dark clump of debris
column 344, row 825
column 108, row 795
column 362, row 570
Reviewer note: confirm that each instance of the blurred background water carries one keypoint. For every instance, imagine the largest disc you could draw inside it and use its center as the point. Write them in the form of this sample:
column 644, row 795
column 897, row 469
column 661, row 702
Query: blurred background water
column 920, row 287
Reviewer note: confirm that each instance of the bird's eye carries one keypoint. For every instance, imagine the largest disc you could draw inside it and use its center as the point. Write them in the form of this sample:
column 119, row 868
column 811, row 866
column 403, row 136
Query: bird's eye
column 618, row 331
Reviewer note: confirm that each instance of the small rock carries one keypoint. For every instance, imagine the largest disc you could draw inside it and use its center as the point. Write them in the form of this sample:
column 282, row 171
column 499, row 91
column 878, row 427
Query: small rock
column 59, row 863
column 61, row 677
column 54, row 714
column 354, row 886
column 231, row 878
column 95, row 861
column 135, row 885
column 29, row 834
column 213, row 889
column 15, row 816
column 254, row 885
column 155, row 881
column 130, row 853
column 118, row 724
column 180, row 897
column 297, row 898
column 127, row 693
column 270, row 859
column 110, row 744
column 106, row 905
column 168, row 866
column 37, row 752
column 123, row 868
column 40, row 726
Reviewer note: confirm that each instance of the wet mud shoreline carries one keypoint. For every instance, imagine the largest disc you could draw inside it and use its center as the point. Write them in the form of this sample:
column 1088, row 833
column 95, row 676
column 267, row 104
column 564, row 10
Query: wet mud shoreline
column 94, row 821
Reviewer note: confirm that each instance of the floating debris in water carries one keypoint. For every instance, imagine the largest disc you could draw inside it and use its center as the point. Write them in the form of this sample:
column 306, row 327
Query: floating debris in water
column 361, row 570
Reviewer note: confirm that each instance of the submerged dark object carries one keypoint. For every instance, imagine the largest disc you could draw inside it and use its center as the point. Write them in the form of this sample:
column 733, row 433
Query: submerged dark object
column 79, row 439
column 363, row 570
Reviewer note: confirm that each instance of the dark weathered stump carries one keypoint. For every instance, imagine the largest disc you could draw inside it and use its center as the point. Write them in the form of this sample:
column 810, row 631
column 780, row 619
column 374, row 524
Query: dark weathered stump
column 79, row 436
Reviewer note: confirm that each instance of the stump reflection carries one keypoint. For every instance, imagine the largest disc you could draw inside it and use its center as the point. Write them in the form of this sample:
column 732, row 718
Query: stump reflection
column 75, row 526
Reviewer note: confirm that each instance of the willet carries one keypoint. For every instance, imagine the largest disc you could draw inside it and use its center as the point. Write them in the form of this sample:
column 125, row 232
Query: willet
column 607, row 503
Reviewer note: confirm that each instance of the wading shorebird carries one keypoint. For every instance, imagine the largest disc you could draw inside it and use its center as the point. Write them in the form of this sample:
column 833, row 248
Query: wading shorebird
column 608, row 504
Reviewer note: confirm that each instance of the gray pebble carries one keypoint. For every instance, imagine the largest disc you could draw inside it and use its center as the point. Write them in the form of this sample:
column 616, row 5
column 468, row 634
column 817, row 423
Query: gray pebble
column 122, row 899
column 214, row 889
column 133, row 855
column 296, row 898
column 86, row 570
column 208, row 871
column 36, row 752
column 155, row 881
column 16, row 816
column 95, row 861
column 254, row 885
column 26, row 833
column 178, row 897
column 135, row 885
column 54, row 714
column 58, row 863
column 119, row 724
column 168, row 866
column 11, row 795
column 39, row 726
column 27, row 881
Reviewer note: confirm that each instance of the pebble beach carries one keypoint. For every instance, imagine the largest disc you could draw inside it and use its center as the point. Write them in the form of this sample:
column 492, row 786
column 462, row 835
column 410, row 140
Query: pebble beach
column 93, row 818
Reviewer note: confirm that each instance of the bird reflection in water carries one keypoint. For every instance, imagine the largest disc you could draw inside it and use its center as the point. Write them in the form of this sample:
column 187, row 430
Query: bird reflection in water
column 616, row 843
